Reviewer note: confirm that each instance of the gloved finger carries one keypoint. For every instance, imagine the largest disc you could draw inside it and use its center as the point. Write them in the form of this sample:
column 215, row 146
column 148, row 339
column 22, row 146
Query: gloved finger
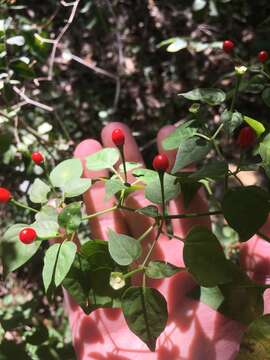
column 132, row 153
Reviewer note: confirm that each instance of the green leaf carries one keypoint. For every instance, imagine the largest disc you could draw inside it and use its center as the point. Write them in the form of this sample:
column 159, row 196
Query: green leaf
column 235, row 301
column 266, row 96
column 255, row 343
column 199, row 5
column 176, row 45
column 149, row 210
column 46, row 229
column 191, row 151
column 47, row 213
column 145, row 311
column 130, row 165
column 211, row 296
column 204, row 258
column 264, row 150
column 215, row 170
column 245, row 209
column 70, row 217
column 16, row 40
column 76, row 187
column 112, row 187
column 161, row 269
column 123, row 249
column 77, row 283
column 171, row 189
column 146, row 175
column 57, row 263
column 188, row 191
column 14, row 252
column 96, row 250
column 88, row 280
column 181, row 133
column 38, row 192
column 241, row 303
column 103, row 159
column 255, row 125
column 66, row 171
column 231, row 121
column 22, row 70
column 208, row 96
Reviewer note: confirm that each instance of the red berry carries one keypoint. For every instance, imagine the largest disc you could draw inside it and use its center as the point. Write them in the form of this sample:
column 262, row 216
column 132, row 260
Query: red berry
column 5, row 195
column 263, row 56
column 37, row 157
column 27, row 235
column 118, row 137
column 228, row 46
column 246, row 137
column 161, row 162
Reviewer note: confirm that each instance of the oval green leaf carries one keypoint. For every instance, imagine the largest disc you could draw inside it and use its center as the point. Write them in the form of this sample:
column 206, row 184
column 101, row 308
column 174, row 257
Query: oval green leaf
column 123, row 249
column 246, row 209
column 146, row 314
column 66, row 171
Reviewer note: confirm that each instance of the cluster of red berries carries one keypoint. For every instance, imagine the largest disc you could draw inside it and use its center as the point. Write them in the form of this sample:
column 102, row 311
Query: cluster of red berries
column 229, row 45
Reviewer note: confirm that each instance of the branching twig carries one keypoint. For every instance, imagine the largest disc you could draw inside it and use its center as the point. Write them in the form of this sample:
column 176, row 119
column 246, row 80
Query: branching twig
column 61, row 34
column 95, row 68
column 31, row 101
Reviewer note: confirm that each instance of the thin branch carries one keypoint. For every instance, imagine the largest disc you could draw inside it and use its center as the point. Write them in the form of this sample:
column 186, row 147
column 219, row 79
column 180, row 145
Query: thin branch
column 31, row 101
column 95, row 68
column 61, row 34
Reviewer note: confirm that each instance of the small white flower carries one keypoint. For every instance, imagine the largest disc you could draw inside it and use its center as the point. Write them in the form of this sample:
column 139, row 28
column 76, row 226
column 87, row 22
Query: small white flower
column 240, row 70
column 117, row 280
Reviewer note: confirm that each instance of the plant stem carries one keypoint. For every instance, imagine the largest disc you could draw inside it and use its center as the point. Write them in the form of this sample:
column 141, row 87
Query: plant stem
column 121, row 149
column 217, row 131
column 17, row 203
column 153, row 245
column 193, row 215
column 146, row 232
column 98, row 213
column 132, row 272
column 202, row 136
column 161, row 178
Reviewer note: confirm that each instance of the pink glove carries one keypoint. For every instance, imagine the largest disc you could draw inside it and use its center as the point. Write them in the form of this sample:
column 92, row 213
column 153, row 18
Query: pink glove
column 194, row 331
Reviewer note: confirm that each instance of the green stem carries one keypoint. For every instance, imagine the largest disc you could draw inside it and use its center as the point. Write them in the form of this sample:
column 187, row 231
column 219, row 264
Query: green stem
column 161, row 178
column 172, row 236
column 203, row 136
column 153, row 245
column 98, row 213
column 121, row 149
column 123, row 207
column 217, row 131
column 17, row 203
column 143, row 236
column 193, row 215
column 129, row 274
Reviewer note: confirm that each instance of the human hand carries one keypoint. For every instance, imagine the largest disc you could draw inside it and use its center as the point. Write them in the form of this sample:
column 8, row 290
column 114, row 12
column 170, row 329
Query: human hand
column 194, row 330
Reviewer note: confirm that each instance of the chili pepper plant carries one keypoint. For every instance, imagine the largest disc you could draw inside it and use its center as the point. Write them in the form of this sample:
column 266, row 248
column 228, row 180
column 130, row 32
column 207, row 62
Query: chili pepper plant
column 99, row 273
